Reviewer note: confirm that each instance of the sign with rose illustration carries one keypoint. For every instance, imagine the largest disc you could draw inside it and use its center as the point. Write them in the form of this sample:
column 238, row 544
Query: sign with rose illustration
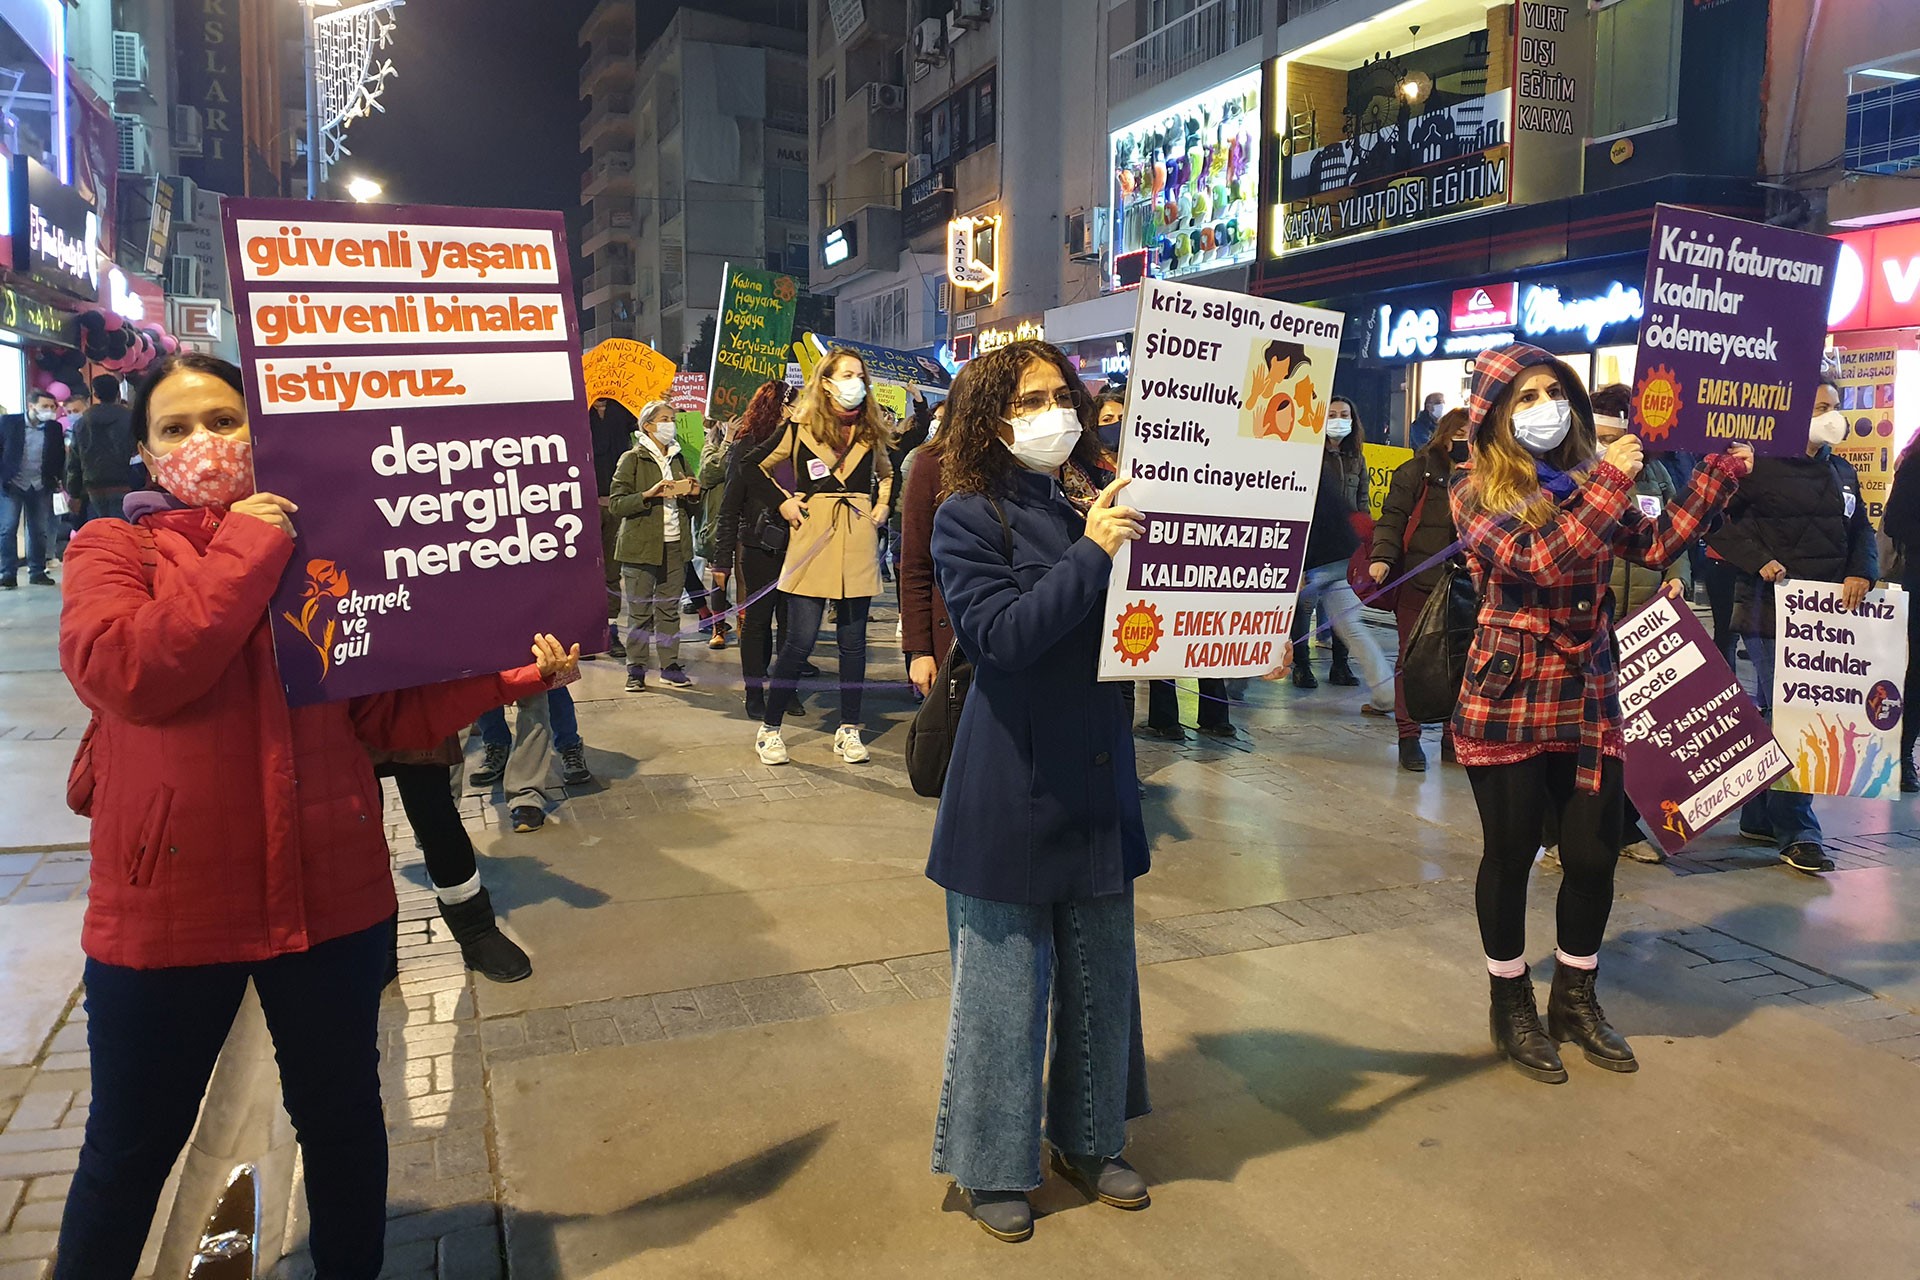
column 413, row 382
column 751, row 340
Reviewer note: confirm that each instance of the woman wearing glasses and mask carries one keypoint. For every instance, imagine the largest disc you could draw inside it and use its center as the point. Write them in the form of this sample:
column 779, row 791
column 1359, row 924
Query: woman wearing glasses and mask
column 1039, row 837
column 835, row 444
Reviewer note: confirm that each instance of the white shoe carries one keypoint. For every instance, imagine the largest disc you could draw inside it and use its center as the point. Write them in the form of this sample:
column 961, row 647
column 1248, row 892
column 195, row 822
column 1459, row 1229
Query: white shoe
column 1643, row 851
column 1550, row 855
column 847, row 745
column 771, row 747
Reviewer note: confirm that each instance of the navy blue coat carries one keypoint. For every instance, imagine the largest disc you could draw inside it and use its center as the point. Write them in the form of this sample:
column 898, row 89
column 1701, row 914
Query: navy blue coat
column 1042, row 802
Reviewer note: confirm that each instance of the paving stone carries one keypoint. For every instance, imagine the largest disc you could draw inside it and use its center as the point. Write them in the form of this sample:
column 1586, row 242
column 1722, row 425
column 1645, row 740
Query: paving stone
column 1729, row 970
column 41, row 1109
column 1812, row 977
column 595, row 1033
column 1217, row 933
column 39, row 1140
column 1767, row 984
column 874, row 977
column 548, row 1024
column 435, row 1223
column 1907, row 1047
column 472, row 1254
column 415, row 1255
column 42, row 1215
column 1831, row 994
column 30, row 1269
column 38, row 1164
column 636, row 1019
column 1867, row 1010
column 499, row 1033
column 27, row 1246
column 1894, row 1028
column 784, row 998
column 461, row 1153
column 845, row 993
column 1732, row 949
column 443, row 1192
column 49, row 1188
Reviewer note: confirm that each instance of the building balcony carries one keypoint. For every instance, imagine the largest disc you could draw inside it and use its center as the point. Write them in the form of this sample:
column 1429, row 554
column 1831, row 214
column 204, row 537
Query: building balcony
column 610, row 119
column 1214, row 28
column 611, row 174
column 880, row 23
column 611, row 281
column 867, row 128
column 618, row 226
column 869, row 241
column 610, row 66
column 608, row 18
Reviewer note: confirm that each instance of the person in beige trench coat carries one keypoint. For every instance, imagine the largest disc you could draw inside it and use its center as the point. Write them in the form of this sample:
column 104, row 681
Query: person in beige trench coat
column 834, row 451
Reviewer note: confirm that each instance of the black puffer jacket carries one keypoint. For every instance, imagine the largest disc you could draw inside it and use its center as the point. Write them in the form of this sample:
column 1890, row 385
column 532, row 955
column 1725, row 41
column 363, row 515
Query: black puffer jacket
column 1807, row 514
column 1901, row 521
column 101, row 456
column 1397, row 547
column 1331, row 538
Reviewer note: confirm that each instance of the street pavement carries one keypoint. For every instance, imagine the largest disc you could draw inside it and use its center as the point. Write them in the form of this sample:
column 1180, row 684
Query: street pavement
column 727, row 1060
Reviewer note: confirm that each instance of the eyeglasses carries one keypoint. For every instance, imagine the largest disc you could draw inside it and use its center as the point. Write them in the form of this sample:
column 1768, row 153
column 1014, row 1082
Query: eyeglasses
column 1041, row 401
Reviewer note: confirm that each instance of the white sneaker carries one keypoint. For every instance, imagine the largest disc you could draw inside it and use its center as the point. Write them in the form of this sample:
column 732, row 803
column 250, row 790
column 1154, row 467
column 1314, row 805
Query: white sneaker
column 771, row 747
column 847, row 745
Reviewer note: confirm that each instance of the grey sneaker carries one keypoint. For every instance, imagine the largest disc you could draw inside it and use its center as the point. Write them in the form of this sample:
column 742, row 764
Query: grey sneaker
column 493, row 763
column 1111, row 1181
column 1004, row 1215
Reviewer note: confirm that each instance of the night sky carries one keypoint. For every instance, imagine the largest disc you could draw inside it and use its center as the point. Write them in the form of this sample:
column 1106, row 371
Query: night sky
column 486, row 109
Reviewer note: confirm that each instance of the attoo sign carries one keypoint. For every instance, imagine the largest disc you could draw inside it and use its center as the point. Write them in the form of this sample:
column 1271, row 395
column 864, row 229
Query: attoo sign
column 1486, row 306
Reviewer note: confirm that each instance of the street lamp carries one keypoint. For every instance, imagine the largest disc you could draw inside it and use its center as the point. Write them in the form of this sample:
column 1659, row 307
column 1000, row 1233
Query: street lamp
column 364, row 189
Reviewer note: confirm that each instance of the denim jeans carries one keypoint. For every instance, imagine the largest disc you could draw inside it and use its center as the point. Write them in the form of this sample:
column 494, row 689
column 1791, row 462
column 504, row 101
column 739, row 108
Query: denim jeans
column 563, row 719
column 1785, row 815
column 1327, row 586
column 1011, row 963
column 35, row 507
column 802, row 629
column 153, row 1036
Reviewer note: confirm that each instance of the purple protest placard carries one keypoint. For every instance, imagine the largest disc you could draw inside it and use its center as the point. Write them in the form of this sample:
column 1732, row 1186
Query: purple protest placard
column 1736, row 320
column 1697, row 747
column 413, row 384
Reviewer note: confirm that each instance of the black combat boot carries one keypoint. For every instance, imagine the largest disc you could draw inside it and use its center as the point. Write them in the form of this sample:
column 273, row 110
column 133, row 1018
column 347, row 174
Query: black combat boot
column 1515, row 1023
column 1573, row 1014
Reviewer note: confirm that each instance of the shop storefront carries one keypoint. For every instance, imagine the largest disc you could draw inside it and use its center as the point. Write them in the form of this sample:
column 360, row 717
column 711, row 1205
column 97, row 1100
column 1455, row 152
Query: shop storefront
column 1097, row 335
column 1186, row 186
column 1874, row 322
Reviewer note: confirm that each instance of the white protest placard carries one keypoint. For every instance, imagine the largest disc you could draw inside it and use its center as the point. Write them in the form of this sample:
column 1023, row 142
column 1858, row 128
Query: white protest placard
column 1223, row 443
column 1837, row 688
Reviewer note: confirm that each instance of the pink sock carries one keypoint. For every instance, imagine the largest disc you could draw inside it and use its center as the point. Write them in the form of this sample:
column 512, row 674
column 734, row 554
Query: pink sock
column 1576, row 962
column 1513, row 968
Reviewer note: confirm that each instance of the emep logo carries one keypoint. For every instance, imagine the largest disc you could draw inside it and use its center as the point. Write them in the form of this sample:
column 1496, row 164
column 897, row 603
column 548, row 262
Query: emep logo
column 1877, row 284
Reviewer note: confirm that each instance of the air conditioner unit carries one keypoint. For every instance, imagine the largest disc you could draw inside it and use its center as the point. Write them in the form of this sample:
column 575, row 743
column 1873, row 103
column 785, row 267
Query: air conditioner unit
column 136, row 151
column 972, row 14
column 919, row 166
column 186, row 194
column 1086, row 233
column 886, row 97
column 129, row 60
column 183, row 276
column 930, row 42
column 188, row 137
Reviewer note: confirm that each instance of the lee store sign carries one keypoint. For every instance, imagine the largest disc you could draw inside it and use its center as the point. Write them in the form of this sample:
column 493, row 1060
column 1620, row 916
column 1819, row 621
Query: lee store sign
column 1877, row 284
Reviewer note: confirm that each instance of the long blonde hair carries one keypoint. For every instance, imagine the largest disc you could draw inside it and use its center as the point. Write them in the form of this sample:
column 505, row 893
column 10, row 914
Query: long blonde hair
column 816, row 411
column 1503, row 481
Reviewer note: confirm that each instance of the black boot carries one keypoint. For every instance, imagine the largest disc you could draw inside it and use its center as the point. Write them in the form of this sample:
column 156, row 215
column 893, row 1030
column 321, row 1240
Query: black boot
column 487, row 951
column 1573, row 1014
column 1413, row 757
column 1341, row 673
column 1515, row 1022
column 1909, row 777
column 1302, row 672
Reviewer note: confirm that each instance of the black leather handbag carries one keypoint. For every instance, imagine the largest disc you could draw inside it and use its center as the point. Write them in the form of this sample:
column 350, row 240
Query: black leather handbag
column 1435, row 658
column 930, row 735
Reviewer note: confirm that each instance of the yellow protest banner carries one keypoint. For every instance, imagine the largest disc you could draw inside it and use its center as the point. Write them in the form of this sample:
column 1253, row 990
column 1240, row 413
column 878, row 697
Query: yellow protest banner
column 631, row 373
column 1382, row 461
column 1866, row 382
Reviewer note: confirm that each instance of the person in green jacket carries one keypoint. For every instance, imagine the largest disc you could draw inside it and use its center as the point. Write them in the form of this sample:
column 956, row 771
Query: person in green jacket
column 657, row 502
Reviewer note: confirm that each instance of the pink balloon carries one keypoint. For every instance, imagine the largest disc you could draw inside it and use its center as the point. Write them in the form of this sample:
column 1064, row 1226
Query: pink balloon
column 114, row 320
column 40, row 378
column 169, row 343
column 60, row 390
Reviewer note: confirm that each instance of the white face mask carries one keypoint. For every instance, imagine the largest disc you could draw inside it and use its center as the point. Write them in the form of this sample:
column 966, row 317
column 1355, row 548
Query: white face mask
column 848, row 393
column 1541, row 427
column 1828, row 428
column 1043, row 441
column 666, row 432
column 1339, row 428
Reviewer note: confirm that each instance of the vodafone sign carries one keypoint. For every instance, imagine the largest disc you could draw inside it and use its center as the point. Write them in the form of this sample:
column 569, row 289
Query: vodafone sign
column 1877, row 284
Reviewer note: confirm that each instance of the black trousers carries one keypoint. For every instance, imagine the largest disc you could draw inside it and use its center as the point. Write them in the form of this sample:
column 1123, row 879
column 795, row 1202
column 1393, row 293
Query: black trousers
column 426, row 793
column 153, row 1036
column 1163, row 704
column 1721, row 579
column 1910, row 722
column 1514, row 801
column 759, row 570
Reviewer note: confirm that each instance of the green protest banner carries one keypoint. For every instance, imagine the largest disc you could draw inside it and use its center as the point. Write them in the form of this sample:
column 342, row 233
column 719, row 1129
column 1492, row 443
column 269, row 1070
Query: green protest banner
column 751, row 340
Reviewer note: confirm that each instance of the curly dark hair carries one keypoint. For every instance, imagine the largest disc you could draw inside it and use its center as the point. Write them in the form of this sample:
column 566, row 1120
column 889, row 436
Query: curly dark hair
column 973, row 457
column 763, row 416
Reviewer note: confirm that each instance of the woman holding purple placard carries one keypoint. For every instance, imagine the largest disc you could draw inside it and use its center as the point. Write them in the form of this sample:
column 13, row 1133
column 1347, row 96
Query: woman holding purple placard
column 234, row 839
column 1542, row 514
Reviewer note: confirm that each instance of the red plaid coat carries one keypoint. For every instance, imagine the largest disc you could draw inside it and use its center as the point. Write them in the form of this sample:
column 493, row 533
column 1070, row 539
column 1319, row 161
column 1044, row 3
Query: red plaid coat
column 1541, row 669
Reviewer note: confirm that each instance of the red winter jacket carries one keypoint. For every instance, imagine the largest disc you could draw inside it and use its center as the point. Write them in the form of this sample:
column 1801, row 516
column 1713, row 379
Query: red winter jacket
column 226, row 825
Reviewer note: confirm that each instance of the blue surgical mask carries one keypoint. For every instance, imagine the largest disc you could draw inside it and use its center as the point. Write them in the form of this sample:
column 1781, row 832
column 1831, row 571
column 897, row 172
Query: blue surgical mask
column 1541, row 427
